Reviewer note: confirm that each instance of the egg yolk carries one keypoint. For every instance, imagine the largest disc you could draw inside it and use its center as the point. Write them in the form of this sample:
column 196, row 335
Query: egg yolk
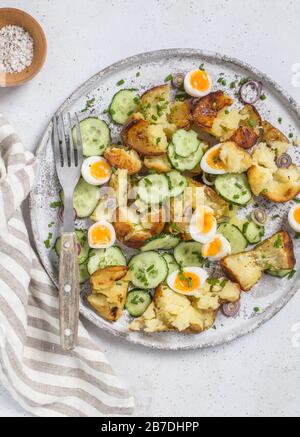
column 200, row 80
column 205, row 222
column 186, row 282
column 297, row 215
column 214, row 247
column 100, row 235
column 214, row 160
column 100, row 170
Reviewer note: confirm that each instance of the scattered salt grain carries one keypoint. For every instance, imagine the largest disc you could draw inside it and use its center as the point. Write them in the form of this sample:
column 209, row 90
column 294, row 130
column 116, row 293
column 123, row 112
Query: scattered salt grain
column 16, row 49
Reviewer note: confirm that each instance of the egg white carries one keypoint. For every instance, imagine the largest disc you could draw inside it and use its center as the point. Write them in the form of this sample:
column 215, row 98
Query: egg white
column 292, row 222
column 205, row 165
column 224, row 251
column 86, row 174
column 192, row 91
column 198, row 236
column 110, row 227
column 201, row 273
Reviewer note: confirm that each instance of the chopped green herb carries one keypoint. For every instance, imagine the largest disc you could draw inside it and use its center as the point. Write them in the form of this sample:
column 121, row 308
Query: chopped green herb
column 292, row 274
column 154, row 117
column 291, row 135
column 113, row 170
column 148, row 182
column 47, row 242
column 137, row 100
column 130, row 113
column 55, row 205
column 158, row 140
column 121, row 82
column 169, row 78
column 89, row 104
column 252, row 123
column 233, row 85
column 297, row 200
column 280, row 120
column 256, row 309
column 263, row 97
column 265, row 191
column 244, row 81
column 278, row 243
column 138, row 74
column 201, row 67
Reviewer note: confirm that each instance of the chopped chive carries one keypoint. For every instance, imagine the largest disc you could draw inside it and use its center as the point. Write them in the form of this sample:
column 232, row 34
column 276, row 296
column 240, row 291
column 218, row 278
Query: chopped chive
column 169, row 78
column 263, row 97
column 121, row 82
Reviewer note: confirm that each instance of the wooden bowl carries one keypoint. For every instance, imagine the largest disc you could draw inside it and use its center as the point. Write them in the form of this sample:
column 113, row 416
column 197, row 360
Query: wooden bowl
column 11, row 16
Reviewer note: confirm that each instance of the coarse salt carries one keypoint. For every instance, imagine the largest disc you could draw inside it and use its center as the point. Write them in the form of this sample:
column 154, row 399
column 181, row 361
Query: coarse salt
column 16, row 49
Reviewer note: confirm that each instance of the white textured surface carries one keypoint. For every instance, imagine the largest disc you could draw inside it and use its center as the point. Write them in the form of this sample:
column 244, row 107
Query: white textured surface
column 260, row 374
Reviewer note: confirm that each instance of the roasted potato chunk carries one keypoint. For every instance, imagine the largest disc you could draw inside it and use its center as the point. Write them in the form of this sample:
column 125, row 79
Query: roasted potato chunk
column 211, row 297
column 251, row 118
column 133, row 229
column 105, row 278
column 145, row 138
column 171, row 311
column 180, row 115
column 245, row 137
column 205, row 110
column 160, row 164
column 275, row 139
column 155, row 103
column 124, row 159
column 265, row 178
column 109, row 302
column 275, row 253
column 235, row 159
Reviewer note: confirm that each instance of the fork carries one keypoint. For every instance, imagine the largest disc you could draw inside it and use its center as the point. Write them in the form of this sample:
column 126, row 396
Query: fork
column 68, row 160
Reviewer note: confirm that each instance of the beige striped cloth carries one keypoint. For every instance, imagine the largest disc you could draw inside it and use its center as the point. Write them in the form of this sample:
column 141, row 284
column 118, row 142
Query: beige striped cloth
column 41, row 377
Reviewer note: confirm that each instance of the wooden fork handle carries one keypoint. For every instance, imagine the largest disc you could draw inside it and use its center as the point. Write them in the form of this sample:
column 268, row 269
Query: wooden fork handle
column 68, row 292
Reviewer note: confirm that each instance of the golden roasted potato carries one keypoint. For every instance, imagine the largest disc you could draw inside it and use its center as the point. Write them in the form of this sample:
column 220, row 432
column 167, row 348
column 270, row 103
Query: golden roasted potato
column 160, row 164
column 105, row 278
column 211, row 297
column 265, row 178
column 109, row 302
column 275, row 139
column 180, row 115
column 133, row 229
column 206, row 109
column 235, row 159
column 145, row 138
column 124, row 159
column 225, row 124
column 171, row 311
column 245, row 137
column 275, row 253
column 251, row 118
column 154, row 103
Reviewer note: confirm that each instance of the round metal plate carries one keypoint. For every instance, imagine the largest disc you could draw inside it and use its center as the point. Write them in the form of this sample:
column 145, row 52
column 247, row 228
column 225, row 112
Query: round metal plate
column 271, row 294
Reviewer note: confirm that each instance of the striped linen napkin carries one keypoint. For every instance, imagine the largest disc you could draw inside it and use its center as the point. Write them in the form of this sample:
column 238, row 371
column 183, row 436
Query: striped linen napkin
column 41, row 377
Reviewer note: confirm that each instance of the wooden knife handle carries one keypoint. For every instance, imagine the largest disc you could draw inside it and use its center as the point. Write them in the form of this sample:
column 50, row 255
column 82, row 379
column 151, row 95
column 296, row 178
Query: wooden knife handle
column 68, row 292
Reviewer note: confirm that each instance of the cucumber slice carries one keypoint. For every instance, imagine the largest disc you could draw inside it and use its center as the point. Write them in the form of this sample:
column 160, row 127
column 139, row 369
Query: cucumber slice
column 234, row 188
column 188, row 254
column 83, row 274
column 177, row 183
column 161, row 242
column 148, row 270
column 253, row 232
column 123, row 105
column 85, row 198
column 102, row 258
column 278, row 273
column 153, row 189
column 185, row 143
column 235, row 237
column 184, row 164
column 171, row 263
column 137, row 302
column 95, row 136
column 82, row 241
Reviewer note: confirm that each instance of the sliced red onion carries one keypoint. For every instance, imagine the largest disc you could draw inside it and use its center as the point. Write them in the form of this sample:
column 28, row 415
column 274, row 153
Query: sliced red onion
column 250, row 92
column 61, row 214
column 178, row 80
column 284, row 161
column 231, row 309
column 208, row 179
column 259, row 216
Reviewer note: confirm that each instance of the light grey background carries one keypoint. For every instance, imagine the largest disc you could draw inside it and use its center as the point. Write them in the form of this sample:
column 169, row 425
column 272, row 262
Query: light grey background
column 258, row 375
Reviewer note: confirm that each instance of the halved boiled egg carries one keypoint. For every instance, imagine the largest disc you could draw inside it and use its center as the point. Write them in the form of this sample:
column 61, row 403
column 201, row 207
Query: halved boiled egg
column 294, row 218
column 187, row 281
column 96, row 170
column 217, row 248
column 211, row 162
column 101, row 235
column 198, row 83
column 203, row 226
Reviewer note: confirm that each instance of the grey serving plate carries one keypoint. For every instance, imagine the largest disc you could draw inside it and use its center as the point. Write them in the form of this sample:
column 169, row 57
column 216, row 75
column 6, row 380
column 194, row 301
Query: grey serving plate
column 271, row 294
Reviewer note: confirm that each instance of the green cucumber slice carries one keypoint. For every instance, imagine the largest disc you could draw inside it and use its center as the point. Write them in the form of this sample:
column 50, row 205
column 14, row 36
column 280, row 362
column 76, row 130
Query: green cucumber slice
column 253, row 232
column 177, row 183
column 102, row 258
column 148, row 270
column 95, row 136
column 161, row 242
column 185, row 142
column 235, row 237
column 171, row 263
column 278, row 273
column 189, row 254
column 184, row 164
column 85, row 198
column 234, row 188
column 123, row 105
column 137, row 302
column 153, row 189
